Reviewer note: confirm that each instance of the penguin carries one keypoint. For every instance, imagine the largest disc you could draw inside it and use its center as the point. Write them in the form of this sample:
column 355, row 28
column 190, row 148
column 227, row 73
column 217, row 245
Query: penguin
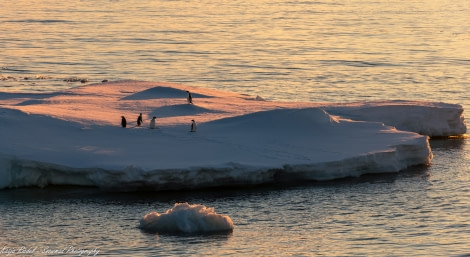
column 190, row 97
column 193, row 126
column 153, row 123
column 139, row 120
column 123, row 122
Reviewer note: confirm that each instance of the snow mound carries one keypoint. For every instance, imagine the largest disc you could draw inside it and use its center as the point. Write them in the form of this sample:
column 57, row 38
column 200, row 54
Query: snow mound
column 281, row 122
column 160, row 92
column 282, row 117
column 187, row 219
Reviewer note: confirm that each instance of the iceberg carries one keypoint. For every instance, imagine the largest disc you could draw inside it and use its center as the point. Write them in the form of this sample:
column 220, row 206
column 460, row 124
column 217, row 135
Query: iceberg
column 75, row 137
column 185, row 218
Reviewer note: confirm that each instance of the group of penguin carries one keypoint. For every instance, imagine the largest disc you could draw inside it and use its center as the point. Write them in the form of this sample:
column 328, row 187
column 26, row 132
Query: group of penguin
column 153, row 124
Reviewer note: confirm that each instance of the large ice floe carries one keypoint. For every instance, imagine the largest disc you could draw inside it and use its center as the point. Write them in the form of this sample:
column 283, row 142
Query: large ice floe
column 75, row 137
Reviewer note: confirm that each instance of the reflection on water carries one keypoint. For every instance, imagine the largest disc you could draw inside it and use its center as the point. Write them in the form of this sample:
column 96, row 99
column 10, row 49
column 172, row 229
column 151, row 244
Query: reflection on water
column 453, row 144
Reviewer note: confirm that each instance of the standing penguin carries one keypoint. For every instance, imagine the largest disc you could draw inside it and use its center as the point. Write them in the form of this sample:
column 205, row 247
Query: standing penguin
column 193, row 126
column 153, row 123
column 139, row 120
column 123, row 122
column 189, row 98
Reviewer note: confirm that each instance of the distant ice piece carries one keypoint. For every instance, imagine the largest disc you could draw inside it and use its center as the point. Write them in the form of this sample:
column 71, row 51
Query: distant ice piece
column 259, row 98
column 186, row 218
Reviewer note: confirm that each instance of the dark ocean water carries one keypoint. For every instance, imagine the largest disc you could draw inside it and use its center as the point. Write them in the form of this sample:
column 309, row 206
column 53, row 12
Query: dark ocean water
column 322, row 51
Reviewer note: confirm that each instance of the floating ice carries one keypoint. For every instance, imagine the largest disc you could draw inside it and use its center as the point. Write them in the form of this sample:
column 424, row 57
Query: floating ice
column 75, row 138
column 188, row 219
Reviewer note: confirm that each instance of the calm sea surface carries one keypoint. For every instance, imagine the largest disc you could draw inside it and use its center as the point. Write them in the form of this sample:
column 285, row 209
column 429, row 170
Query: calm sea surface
column 322, row 51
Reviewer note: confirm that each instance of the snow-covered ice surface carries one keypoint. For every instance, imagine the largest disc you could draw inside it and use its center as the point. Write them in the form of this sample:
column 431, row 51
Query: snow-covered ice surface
column 75, row 138
column 426, row 118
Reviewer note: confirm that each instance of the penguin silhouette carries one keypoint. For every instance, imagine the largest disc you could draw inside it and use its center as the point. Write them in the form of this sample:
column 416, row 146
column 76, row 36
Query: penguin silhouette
column 139, row 120
column 193, row 126
column 123, row 122
column 153, row 123
column 189, row 98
